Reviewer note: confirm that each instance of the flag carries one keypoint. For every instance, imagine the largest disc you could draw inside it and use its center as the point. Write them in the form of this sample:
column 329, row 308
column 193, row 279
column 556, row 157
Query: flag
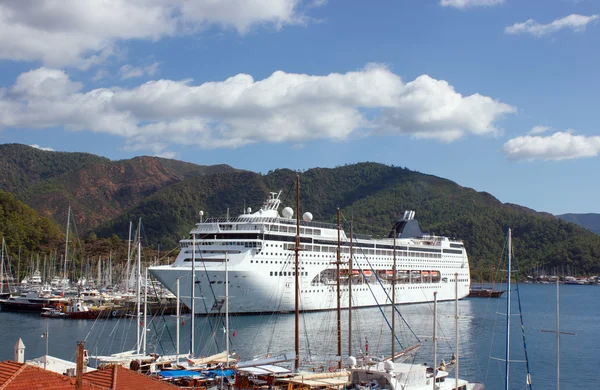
column 233, row 334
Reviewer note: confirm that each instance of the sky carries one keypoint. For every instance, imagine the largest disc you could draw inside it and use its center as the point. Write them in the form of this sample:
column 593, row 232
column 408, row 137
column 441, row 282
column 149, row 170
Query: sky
column 497, row 95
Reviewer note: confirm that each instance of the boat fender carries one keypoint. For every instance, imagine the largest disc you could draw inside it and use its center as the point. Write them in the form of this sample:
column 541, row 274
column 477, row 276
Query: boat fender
column 114, row 313
column 134, row 365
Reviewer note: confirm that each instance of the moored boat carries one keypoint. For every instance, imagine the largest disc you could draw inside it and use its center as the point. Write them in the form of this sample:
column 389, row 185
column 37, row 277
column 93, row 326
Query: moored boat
column 260, row 246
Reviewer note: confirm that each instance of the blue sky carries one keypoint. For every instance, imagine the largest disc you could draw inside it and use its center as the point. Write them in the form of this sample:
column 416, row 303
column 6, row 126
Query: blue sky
column 497, row 95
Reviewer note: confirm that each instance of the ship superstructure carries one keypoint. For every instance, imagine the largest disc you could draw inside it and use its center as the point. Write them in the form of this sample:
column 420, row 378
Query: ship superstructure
column 259, row 250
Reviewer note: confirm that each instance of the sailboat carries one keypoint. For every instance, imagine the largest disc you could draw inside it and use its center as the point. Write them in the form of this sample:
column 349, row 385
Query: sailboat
column 558, row 333
column 134, row 359
column 393, row 375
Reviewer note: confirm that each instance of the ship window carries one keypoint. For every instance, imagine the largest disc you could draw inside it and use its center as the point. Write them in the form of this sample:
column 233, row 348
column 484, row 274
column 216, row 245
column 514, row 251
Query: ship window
column 271, row 273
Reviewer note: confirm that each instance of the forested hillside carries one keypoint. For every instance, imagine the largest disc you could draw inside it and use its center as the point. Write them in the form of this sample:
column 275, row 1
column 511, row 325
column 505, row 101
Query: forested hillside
column 22, row 166
column 589, row 221
column 97, row 189
column 23, row 229
column 168, row 194
column 374, row 196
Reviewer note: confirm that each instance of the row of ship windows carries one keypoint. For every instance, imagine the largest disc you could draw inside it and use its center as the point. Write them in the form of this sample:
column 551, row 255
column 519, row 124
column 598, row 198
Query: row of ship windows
column 276, row 228
column 325, row 249
column 287, row 273
column 360, row 256
column 355, row 288
column 245, row 244
column 332, row 262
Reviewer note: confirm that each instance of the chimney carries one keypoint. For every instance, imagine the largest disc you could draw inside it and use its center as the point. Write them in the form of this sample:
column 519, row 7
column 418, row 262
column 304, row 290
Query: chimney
column 79, row 369
column 19, row 355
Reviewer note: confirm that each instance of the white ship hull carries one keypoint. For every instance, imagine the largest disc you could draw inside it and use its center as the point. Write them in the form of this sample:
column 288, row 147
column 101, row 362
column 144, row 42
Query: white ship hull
column 260, row 252
column 253, row 293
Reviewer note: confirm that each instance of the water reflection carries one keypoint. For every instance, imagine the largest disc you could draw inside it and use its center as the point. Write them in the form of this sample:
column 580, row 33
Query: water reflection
column 481, row 329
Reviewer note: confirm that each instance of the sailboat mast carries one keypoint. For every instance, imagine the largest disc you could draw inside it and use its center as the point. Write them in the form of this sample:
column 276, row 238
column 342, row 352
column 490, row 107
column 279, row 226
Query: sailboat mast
column 193, row 294
column 350, row 271
column 394, row 300
column 456, row 326
column 339, row 310
column 145, row 311
column 557, row 337
column 226, row 311
column 66, row 250
column 138, row 295
column 434, row 338
column 507, row 356
column 297, row 289
column 177, row 319
column 128, row 275
column 2, row 269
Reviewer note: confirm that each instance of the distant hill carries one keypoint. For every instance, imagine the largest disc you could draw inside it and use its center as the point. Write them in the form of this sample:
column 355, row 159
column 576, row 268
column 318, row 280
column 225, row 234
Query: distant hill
column 589, row 221
column 23, row 228
column 96, row 188
column 167, row 194
column 374, row 196
column 22, row 166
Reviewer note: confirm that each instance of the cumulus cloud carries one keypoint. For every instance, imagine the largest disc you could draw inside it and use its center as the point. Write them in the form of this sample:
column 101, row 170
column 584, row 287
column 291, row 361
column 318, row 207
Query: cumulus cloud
column 539, row 129
column 574, row 22
column 558, row 146
column 82, row 33
column 129, row 71
column 284, row 107
column 470, row 3
column 42, row 148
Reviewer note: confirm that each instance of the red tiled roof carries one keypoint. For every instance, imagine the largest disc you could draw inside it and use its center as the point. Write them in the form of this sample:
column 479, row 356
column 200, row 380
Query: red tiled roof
column 20, row 376
column 119, row 378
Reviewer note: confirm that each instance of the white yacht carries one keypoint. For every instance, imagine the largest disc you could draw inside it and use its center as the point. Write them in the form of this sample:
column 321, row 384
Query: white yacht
column 259, row 250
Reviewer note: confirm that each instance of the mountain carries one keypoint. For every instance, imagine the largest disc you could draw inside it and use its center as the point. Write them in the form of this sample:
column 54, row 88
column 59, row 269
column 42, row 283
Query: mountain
column 589, row 221
column 24, row 230
column 168, row 194
column 22, row 166
column 96, row 188
column 373, row 196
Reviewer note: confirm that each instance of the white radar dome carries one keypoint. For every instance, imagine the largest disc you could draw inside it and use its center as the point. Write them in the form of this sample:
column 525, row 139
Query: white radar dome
column 351, row 361
column 307, row 217
column 287, row 212
column 201, row 213
column 249, row 210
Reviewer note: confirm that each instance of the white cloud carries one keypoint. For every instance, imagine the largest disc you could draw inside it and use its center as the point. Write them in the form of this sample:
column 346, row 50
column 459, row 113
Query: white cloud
column 82, row 33
column 574, row 22
column 470, row 3
column 42, row 148
column 558, row 146
column 129, row 71
column 284, row 107
column 539, row 129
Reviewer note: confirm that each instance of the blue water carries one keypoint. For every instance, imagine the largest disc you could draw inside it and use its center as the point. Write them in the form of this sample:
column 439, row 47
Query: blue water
column 481, row 329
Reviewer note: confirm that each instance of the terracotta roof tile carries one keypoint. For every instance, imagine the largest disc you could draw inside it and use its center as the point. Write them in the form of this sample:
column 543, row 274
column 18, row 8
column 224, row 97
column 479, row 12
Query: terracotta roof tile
column 20, row 376
column 119, row 378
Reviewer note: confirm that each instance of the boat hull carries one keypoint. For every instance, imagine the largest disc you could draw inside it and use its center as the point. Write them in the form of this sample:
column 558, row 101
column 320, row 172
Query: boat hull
column 253, row 293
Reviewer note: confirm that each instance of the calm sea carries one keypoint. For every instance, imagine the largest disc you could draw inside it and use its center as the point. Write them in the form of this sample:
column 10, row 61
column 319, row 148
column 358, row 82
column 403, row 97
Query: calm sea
column 482, row 332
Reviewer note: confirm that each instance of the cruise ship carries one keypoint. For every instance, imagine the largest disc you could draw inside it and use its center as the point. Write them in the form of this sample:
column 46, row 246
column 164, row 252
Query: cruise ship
column 255, row 253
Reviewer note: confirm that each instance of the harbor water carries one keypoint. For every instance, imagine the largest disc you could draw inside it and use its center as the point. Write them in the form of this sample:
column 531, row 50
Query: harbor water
column 482, row 333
